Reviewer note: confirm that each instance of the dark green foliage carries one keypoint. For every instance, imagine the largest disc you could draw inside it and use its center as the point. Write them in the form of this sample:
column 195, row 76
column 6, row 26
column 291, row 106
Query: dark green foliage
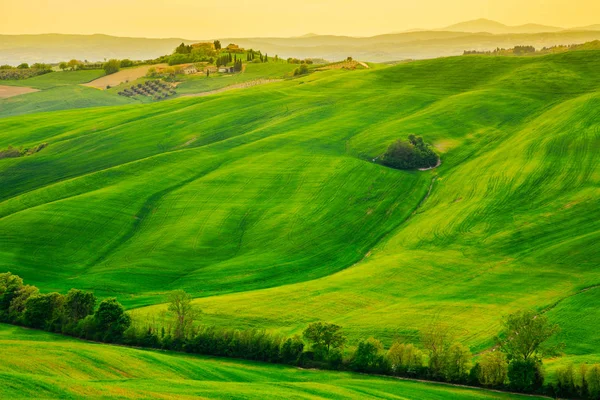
column 111, row 320
column 217, row 44
column 78, row 305
column 291, row 350
column 525, row 375
column 369, row 357
column 411, row 154
column 42, row 311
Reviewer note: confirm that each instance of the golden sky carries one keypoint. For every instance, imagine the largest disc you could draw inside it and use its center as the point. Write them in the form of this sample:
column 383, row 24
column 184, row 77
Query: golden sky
column 206, row 19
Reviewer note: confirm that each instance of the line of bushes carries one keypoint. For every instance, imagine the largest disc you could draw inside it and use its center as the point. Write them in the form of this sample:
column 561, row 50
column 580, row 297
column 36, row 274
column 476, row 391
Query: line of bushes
column 515, row 364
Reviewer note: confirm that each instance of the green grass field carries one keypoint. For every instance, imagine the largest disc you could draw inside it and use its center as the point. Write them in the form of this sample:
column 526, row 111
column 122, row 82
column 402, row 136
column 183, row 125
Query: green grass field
column 265, row 204
column 58, row 367
column 59, row 91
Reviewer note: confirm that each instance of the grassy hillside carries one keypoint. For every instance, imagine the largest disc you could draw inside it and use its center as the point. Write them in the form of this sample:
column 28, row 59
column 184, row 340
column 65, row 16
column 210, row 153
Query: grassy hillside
column 59, row 91
column 58, row 367
column 265, row 204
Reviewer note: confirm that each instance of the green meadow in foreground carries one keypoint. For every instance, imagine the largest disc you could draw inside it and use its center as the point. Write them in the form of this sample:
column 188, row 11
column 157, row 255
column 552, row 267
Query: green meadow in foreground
column 59, row 367
column 265, row 204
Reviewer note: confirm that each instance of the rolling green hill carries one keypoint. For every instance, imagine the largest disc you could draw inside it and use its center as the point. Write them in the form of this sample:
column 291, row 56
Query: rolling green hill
column 266, row 205
column 68, row 369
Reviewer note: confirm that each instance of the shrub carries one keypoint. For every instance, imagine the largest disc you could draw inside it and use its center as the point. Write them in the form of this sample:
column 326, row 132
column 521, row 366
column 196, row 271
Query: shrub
column 410, row 154
column 301, row 70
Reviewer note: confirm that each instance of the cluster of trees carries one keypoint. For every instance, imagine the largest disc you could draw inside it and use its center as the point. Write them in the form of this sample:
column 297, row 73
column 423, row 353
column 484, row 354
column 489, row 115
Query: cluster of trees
column 298, row 61
column 257, row 56
column 111, row 66
column 410, row 154
column 74, row 313
column 515, row 363
column 517, row 50
column 301, row 70
column 581, row 382
column 23, row 71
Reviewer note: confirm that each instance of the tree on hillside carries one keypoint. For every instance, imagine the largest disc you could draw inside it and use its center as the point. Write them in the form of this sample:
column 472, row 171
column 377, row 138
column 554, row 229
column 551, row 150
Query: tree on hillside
column 324, row 337
column 525, row 334
column 43, row 310
column 217, row 44
column 369, row 356
column 180, row 304
column 404, row 358
column 10, row 285
column 63, row 65
column 23, row 66
column 183, row 49
column 111, row 66
column 414, row 153
column 74, row 65
column 437, row 340
column 79, row 304
column 111, row 320
column 493, row 368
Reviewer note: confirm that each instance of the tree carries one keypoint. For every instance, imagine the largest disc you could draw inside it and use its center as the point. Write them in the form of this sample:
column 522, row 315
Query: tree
column 74, row 65
column 324, row 337
column 79, row 304
column 43, row 310
column 301, row 70
column 19, row 301
column 291, row 349
column 404, row 357
column 592, row 378
column 111, row 320
column 63, row 65
column 368, row 356
column 493, row 368
column 524, row 335
column 437, row 339
column 458, row 363
column 525, row 375
column 217, row 44
column 126, row 63
column 414, row 153
column 23, row 66
column 180, row 304
column 111, row 66
column 10, row 285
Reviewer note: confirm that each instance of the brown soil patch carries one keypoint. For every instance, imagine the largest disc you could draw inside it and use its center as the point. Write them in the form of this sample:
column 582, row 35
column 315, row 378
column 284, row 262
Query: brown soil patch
column 125, row 75
column 344, row 65
column 11, row 91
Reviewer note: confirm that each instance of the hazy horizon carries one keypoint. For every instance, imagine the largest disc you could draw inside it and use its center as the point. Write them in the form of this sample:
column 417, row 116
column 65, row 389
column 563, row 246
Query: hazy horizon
column 268, row 18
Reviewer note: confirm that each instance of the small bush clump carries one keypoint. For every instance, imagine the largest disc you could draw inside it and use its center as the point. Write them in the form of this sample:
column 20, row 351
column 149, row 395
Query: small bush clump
column 410, row 154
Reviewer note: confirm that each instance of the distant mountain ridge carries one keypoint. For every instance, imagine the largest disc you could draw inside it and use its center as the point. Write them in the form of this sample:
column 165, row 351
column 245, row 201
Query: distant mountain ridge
column 489, row 26
column 414, row 44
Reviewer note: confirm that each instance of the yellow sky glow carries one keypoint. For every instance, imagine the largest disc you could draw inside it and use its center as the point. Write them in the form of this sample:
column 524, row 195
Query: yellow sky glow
column 201, row 19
